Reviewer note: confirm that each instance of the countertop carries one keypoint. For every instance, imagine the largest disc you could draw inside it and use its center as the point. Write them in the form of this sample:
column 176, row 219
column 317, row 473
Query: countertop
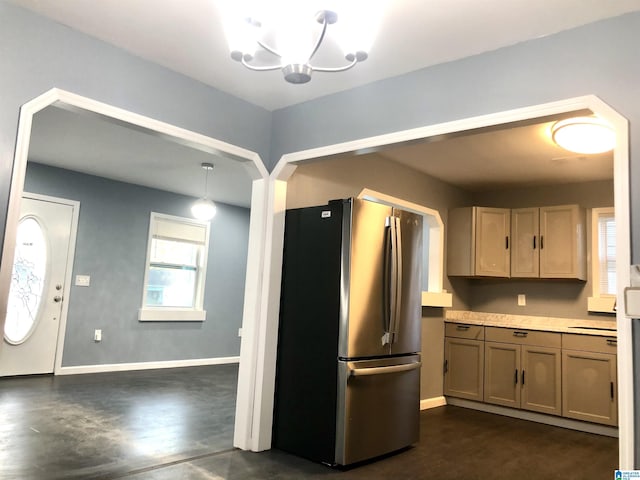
column 605, row 328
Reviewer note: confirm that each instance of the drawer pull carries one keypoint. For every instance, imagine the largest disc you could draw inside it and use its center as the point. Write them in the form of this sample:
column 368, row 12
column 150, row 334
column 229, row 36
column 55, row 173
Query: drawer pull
column 523, row 378
column 520, row 334
column 611, row 342
column 515, row 377
column 463, row 328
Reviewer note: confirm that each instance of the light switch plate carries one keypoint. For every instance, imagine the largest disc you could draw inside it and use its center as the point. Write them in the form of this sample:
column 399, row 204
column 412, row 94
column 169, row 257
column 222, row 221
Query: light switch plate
column 83, row 280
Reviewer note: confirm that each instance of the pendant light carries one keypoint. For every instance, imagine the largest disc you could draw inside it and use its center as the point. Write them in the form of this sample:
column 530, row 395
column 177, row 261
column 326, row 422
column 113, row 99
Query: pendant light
column 203, row 208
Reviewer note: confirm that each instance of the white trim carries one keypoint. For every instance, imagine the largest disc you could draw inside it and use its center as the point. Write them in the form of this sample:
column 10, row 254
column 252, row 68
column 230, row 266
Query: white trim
column 122, row 367
column 287, row 164
column 167, row 314
column 536, row 417
column 434, row 402
column 66, row 292
column 254, row 167
column 434, row 223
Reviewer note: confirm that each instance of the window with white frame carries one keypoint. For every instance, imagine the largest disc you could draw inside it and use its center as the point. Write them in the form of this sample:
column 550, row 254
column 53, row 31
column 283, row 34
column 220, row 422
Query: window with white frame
column 175, row 269
column 603, row 260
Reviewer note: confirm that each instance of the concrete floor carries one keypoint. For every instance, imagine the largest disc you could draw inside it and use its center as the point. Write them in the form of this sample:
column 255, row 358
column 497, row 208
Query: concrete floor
column 178, row 425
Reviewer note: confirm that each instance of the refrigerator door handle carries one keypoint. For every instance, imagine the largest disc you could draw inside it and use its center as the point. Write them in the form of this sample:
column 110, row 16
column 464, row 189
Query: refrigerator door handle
column 360, row 372
column 397, row 305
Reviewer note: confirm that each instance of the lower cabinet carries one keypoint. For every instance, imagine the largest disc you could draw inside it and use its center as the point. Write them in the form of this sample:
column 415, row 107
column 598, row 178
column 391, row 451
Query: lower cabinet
column 589, row 379
column 464, row 361
column 523, row 376
column 564, row 374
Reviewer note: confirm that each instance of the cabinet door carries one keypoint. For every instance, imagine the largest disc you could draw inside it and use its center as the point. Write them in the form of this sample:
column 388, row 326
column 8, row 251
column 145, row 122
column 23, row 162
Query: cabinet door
column 562, row 237
column 501, row 374
column 589, row 386
column 464, row 364
column 492, row 242
column 524, row 242
column 541, row 379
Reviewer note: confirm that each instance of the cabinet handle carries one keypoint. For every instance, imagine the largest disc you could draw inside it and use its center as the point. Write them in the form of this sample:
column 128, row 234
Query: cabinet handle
column 506, row 242
column 611, row 390
column 541, row 242
column 611, row 342
column 463, row 328
column 523, row 378
column 515, row 377
column 446, row 366
column 534, row 242
column 520, row 334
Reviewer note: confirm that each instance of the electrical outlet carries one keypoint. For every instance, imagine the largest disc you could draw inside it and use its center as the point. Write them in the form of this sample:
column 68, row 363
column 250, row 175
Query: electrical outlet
column 522, row 299
column 97, row 335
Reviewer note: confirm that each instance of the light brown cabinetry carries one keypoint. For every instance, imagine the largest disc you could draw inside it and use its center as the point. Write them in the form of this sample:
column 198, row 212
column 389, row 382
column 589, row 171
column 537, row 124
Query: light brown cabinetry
column 464, row 361
column 589, row 378
column 522, row 369
column 548, row 242
column 478, row 242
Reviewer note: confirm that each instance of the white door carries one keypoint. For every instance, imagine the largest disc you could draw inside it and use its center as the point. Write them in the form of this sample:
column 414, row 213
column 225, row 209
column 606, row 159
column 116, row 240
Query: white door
column 37, row 286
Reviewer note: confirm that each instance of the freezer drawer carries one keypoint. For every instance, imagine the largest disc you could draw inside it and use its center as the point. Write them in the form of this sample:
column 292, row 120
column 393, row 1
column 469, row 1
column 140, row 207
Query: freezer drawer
column 378, row 407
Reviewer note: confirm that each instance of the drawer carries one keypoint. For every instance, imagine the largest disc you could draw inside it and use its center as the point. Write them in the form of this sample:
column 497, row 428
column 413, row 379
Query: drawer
column 462, row 330
column 589, row 343
column 523, row 337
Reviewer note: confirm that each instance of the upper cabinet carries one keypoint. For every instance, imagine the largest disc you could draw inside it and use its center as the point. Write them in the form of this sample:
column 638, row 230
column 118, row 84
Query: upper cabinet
column 540, row 242
column 478, row 242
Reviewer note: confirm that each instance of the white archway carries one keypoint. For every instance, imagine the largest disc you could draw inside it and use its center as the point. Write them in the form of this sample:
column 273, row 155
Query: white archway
column 267, row 335
column 255, row 170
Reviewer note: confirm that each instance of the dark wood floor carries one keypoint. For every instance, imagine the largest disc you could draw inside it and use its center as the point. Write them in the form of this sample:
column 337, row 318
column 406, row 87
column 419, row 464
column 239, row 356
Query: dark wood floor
column 178, row 425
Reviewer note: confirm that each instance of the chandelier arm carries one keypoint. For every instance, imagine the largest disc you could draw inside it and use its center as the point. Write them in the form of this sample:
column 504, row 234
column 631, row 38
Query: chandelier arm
column 336, row 69
column 259, row 69
column 320, row 39
column 268, row 48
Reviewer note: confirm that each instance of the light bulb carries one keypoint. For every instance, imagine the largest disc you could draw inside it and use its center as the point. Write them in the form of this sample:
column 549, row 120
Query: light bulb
column 203, row 209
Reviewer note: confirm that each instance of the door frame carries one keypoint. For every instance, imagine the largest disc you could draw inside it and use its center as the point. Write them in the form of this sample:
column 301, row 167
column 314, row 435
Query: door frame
column 287, row 164
column 68, row 276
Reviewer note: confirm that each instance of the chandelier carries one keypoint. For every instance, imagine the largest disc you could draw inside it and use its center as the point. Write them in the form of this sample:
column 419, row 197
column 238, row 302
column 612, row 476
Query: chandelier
column 286, row 35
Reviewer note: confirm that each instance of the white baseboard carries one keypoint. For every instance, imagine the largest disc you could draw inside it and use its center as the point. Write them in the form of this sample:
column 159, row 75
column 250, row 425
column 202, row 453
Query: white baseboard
column 434, row 402
column 536, row 417
column 121, row 367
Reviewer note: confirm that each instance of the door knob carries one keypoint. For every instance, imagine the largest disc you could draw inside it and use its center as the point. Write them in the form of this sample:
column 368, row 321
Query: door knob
column 57, row 299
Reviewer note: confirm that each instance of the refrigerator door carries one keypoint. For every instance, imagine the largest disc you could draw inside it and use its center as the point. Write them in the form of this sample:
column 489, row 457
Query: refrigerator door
column 378, row 407
column 364, row 308
column 406, row 326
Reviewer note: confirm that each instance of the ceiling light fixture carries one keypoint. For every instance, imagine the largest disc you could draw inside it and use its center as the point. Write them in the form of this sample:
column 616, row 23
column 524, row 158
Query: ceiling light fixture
column 203, row 208
column 584, row 135
column 293, row 31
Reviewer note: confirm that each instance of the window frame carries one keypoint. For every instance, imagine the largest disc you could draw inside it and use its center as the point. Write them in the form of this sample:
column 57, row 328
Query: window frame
column 171, row 313
column 598, row 301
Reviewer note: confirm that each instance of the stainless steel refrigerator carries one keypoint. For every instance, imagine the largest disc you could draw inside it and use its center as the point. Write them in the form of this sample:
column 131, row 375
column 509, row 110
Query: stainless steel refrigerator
column 348, row 364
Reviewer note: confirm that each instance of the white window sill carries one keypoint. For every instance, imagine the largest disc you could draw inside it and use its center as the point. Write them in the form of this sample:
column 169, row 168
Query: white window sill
column 601, row 304
column 171, row 315
column 437, row 299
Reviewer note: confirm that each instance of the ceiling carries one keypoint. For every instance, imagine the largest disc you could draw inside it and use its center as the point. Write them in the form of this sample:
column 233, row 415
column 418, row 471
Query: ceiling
column 516, row 155
column 187, row 37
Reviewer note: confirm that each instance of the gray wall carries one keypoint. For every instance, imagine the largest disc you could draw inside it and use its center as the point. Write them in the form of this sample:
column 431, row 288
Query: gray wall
column 318, row 182
column 557, row 298
column 111, row 247
column 600, row 59
column 38, row 54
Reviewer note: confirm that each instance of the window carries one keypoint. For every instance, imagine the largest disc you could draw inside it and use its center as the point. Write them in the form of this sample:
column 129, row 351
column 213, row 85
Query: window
column 603, row 260
column 175, row 270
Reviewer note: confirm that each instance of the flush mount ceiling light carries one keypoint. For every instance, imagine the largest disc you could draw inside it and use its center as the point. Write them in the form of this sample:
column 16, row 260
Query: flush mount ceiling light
column 584, row 135
column 203, row 208
column 286, row 34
